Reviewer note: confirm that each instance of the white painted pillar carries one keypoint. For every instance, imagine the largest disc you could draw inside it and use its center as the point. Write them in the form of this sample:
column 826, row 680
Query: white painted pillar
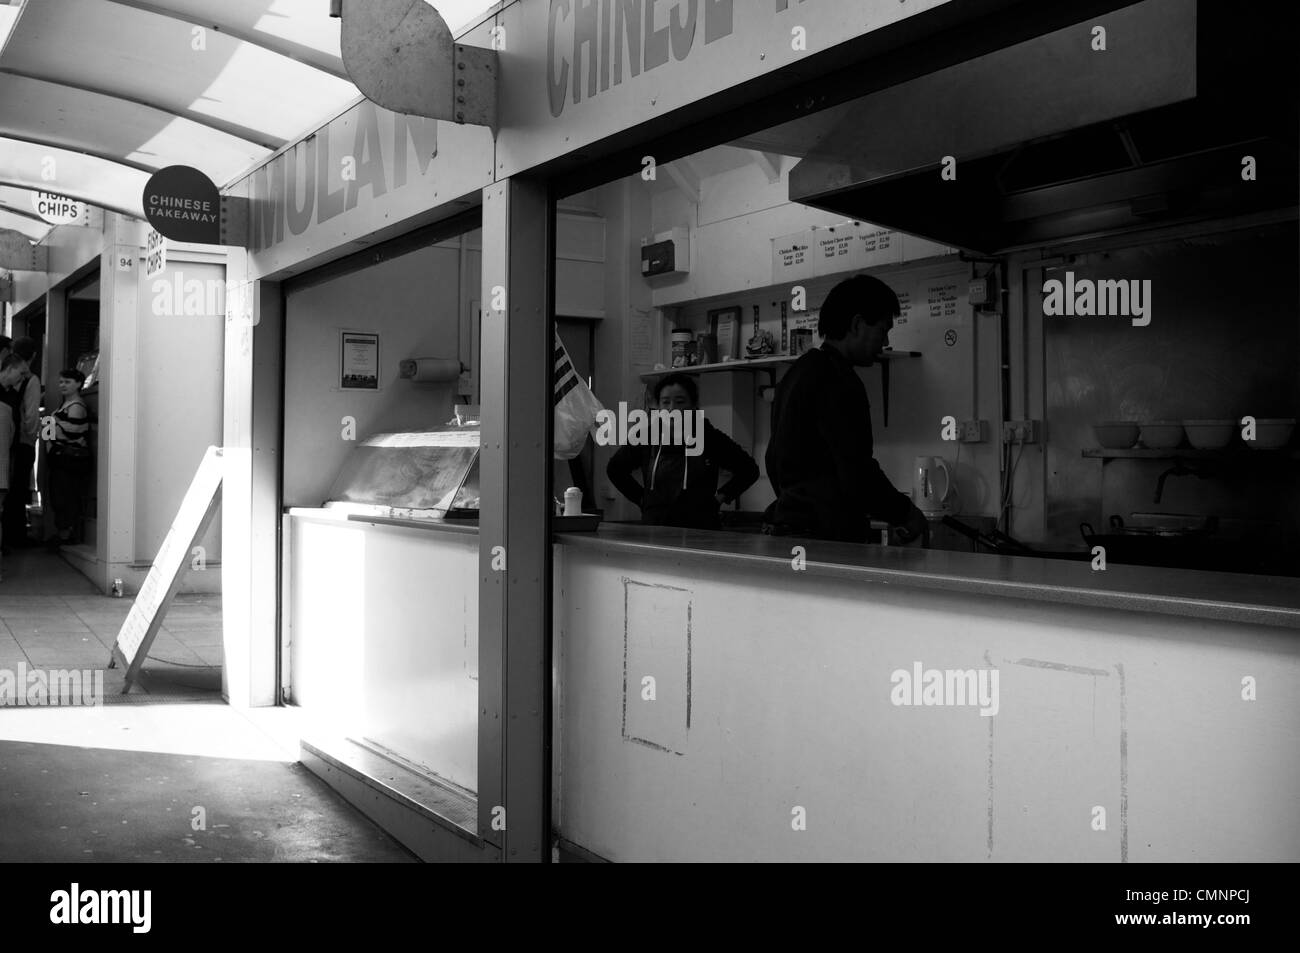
column 250, row 500
column 119, row 301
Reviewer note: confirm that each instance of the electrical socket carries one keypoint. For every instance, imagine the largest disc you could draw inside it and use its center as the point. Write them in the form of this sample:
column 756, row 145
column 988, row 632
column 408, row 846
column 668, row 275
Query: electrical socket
column 1021, row 431
column 973, row 431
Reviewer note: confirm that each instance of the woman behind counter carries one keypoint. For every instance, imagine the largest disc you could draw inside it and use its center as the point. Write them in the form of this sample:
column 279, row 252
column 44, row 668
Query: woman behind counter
column 676, row 489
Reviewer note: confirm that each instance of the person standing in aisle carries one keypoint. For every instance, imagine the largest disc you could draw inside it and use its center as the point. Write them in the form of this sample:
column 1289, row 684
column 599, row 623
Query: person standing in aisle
column 819, row 458
column 22, row 456
column 12, row 370
column 69, row 456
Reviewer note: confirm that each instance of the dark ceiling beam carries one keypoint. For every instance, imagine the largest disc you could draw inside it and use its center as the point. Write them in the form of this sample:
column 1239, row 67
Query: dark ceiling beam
column 294, row 51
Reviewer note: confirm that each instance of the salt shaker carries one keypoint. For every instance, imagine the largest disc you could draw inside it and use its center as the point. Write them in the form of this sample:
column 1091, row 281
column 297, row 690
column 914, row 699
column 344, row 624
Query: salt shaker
column 573, row 501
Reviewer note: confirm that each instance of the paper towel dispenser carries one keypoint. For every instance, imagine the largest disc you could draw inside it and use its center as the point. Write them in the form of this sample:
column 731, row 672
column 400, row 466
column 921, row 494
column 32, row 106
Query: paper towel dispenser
column 430, row 370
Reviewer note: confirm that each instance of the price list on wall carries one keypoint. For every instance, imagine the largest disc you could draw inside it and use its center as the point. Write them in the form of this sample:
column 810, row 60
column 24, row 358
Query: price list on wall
column 929, row 306
column 945, row 304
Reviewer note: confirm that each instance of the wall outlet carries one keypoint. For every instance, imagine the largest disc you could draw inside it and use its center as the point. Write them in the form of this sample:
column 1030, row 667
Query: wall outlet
column 1021, row 431
column 973, row 431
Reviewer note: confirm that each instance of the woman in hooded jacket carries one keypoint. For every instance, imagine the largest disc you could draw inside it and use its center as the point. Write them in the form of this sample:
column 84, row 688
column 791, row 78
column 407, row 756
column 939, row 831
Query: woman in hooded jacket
column 676, row 488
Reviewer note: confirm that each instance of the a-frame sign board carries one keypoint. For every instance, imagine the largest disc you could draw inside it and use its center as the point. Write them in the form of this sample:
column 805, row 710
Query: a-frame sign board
column 136, row 636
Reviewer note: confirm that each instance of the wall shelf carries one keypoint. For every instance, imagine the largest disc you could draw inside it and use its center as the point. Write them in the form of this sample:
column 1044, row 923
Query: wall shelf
column 1191, row 453
column 769, row 364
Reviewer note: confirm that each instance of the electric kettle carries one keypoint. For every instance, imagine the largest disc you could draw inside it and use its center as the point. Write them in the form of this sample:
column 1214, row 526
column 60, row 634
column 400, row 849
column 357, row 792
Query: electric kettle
column 925, row 492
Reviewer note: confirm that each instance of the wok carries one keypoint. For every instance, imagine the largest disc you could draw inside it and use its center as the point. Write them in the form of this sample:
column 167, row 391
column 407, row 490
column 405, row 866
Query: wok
column 1175, row 547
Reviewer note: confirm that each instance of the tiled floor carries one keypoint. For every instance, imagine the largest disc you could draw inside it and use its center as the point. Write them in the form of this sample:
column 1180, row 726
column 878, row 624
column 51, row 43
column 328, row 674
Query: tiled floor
column 77, row 630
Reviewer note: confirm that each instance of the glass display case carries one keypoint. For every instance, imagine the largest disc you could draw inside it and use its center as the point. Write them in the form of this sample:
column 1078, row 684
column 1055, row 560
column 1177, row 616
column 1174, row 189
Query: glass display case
column 427, row 475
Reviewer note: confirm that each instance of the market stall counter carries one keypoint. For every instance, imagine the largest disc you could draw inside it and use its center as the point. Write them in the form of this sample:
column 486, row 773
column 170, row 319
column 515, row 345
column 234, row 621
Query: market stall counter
column 891, row 704
column 383, row 602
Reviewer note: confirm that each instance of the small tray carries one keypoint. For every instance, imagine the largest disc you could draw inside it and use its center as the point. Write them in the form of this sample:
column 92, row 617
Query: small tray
column 586, row 523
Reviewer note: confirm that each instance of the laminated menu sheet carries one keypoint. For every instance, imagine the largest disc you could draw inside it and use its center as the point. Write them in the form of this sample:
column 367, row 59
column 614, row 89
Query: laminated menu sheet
column 934, row 308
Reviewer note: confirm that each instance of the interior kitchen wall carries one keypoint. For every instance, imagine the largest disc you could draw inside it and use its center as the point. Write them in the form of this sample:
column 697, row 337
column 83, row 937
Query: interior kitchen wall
column 625, row 207
column 923, row 390
column 413, row 303
column 1223, row 342
column 739, row 207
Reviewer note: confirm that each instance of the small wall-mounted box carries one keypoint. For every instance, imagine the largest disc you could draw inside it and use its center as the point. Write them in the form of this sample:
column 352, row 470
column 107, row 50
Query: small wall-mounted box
column 983, row 292
column 667, row 253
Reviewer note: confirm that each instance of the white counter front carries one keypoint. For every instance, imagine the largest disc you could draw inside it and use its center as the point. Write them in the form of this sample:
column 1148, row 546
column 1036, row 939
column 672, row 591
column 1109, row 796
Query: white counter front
column 717, row 702
column 383, row 636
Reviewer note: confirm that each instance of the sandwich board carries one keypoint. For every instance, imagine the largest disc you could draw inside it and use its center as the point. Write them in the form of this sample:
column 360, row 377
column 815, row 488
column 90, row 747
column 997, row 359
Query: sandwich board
column 136, row 636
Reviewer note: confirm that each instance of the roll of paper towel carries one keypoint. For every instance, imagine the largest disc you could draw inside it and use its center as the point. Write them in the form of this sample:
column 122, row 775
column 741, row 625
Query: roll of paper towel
column 430, row 370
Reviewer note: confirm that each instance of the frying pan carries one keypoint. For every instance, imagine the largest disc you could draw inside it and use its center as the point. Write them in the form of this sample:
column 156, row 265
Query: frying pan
column 1001, row 544
column 1171, row 546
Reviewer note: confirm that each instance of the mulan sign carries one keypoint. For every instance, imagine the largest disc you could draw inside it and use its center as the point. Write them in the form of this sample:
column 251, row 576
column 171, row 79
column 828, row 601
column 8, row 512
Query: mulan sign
column 358, row 157
column 592, row 45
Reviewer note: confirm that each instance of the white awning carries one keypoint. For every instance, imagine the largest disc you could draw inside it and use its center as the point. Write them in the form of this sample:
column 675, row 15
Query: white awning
column 95, row 95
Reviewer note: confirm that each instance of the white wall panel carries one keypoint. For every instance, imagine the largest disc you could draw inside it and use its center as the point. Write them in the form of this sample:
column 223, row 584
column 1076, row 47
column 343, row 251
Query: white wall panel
column 384, row 639
column 1138, row 714
column 413, row 303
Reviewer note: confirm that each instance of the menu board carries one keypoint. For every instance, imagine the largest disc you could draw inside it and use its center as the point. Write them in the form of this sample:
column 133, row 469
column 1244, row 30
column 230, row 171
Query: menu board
column 136, row 636
column 805, row 319
column 947, row 302
column 929, row 306
column 837, row 249
column 792, row 257
column 878, row 246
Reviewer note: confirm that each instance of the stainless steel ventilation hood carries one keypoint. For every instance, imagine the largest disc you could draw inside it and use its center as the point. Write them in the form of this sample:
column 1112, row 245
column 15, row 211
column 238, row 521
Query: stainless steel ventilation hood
column 1056, row 139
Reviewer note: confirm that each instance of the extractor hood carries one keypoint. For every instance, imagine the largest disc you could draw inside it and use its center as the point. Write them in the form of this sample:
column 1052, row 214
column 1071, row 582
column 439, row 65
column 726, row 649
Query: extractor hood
column 1057, row 138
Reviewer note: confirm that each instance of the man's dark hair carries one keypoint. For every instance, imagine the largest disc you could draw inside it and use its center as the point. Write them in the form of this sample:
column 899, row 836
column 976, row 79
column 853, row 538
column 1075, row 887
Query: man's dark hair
column 25, row 347
column 10, row 360
column 684, row 381
column 861, row 294
column 72, row 374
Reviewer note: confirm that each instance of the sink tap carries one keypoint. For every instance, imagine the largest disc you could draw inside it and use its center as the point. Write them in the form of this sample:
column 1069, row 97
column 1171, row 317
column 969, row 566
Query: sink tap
column 1178, row 469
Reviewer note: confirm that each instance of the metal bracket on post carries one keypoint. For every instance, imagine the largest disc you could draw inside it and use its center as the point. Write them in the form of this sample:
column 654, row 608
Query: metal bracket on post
column 402, row 56
column 234, row 221
column 476, row 85
column 18, row 254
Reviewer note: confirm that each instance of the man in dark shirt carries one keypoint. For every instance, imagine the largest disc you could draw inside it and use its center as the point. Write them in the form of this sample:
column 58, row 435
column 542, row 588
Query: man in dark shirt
column 819, row 457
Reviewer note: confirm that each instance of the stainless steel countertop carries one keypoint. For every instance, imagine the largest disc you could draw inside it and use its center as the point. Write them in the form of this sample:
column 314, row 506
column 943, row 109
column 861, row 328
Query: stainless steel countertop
column 1262, row 600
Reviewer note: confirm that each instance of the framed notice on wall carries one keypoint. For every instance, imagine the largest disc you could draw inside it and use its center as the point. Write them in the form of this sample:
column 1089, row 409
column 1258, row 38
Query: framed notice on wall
column 359, row 361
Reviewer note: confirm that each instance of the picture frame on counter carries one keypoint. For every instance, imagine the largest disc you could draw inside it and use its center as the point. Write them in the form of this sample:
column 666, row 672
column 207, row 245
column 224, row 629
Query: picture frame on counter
column 724, row 324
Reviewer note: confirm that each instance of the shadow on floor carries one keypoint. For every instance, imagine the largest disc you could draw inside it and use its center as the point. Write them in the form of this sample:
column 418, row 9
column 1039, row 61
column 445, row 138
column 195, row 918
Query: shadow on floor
column 81, row 805
column 121, row 781
column 36, row 571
